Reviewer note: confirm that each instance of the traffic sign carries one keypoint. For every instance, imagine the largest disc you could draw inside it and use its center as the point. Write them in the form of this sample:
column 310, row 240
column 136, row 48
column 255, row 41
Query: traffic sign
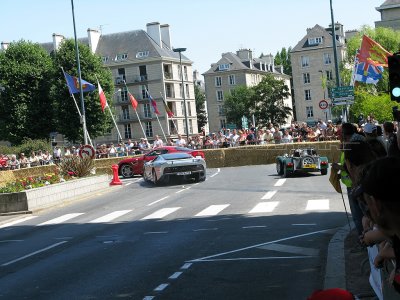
column 87, row 150
column 323, row 104
column 342, row 93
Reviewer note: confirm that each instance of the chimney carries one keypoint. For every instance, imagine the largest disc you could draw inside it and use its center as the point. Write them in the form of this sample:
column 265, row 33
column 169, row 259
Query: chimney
column 57, row 39
column 153, row 30
column 93, row 37
column 165, row 36
column 4, row 46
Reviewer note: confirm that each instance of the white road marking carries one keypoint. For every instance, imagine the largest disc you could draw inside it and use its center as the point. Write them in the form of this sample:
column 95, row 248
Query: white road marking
column 9, row 241
column 17, row 221
column 311, row 224
column 60, row 219
column 161, row 287
column 291, row 249
column 111, row 216
column 128, row 183
column 255, row 258
column 218, row 170
column 186, row 266
column 321, row 204
column 268, row 195
column 280, row 182
column 257, row 245
column 264, row 207
column 159, row 200
column 205, row 229
column 155, row 232
column 175, row 275
column 148, row 298
column 161, row 213
column 33, row 253
column 249, row 227
column 184, row 189
column 212, row 210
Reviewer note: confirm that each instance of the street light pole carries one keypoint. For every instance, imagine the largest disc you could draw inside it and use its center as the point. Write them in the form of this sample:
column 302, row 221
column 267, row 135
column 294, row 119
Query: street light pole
column 180, row 50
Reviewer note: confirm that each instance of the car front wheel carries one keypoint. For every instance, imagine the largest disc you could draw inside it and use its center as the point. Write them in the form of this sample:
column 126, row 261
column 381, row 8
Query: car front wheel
column 279, row 168
column 126, row 171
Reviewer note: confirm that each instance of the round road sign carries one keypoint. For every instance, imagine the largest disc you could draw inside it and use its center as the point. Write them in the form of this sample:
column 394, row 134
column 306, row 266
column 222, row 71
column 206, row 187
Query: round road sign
column 323, row 104
column 87, row 150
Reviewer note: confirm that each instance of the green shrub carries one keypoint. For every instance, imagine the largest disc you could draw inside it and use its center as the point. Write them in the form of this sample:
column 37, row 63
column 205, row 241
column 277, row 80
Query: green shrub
column 76, row 166
column 27, row 146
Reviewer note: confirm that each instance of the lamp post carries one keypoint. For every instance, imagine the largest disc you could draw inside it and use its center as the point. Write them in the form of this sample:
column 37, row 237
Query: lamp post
column 180, row 50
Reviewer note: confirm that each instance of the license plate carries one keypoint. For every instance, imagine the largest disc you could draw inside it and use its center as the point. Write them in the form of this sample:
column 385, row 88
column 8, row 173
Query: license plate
column 184, row 173
column 310, row 166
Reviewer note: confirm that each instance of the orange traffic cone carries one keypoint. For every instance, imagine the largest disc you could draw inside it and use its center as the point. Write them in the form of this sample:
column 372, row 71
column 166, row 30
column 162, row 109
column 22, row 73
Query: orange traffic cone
column 115, row 180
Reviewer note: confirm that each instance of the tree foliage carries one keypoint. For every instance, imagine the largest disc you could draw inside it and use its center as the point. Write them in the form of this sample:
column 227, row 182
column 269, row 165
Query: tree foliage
column 282, row 58
column 265, row 101
column 68, row 121
column 26, row 109
column 200, row 99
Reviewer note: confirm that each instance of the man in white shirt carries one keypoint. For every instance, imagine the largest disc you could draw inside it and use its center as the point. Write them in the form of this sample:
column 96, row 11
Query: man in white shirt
column 157, row 142
column 180, row 141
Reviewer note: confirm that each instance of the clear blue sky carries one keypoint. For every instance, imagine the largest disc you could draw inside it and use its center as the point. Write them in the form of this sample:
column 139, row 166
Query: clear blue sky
column 206, row 28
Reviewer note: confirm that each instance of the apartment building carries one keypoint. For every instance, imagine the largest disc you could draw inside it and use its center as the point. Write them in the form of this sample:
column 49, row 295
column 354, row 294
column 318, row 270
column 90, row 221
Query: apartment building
column 313, row 71
column 390, row 14
column 234, row 70
column 142, row 63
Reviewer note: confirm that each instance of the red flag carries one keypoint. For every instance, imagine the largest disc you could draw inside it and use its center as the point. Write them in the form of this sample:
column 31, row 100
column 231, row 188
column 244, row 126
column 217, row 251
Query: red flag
column 373, row 53
column 133, row 101
column 153, row 103
column 167, row 109
column 103, row 100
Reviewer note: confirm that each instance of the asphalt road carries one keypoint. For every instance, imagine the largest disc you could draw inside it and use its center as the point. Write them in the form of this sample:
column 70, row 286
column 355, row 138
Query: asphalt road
column 244, row 233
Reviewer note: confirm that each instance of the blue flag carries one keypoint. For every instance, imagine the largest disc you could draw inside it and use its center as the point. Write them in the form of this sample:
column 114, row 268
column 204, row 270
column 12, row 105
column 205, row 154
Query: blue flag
column 73, row 84
column 368, row 73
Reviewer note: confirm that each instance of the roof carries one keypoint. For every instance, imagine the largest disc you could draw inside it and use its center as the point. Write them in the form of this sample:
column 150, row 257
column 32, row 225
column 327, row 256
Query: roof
column 389, row 4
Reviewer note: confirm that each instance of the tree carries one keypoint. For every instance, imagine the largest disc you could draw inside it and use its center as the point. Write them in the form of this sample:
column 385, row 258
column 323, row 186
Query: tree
column 283, row 59
column 237, row 104
column 68, row 121
column 268, row 101
column 200, row 99
column 26, row 109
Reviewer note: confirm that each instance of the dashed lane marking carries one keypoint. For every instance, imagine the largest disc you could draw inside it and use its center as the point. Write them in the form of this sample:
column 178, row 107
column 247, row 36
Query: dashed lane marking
column 212, row 210
column 161, row 287
column 280, row 182
column 263, row 207
column 161, row 213
column 268, row 195
column 175, row 275
column 17, row 221
column 159, row 200
column 321, row 204
column 111, row 216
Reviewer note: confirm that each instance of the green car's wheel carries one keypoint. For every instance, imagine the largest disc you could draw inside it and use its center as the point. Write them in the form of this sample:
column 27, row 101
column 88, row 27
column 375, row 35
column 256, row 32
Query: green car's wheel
column 279, row 168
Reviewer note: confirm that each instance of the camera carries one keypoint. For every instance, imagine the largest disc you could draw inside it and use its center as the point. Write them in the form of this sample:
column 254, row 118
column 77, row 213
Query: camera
column 396, row 113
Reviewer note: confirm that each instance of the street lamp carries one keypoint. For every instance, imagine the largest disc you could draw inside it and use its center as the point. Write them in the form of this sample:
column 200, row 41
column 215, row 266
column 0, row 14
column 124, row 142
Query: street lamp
column 180, row 50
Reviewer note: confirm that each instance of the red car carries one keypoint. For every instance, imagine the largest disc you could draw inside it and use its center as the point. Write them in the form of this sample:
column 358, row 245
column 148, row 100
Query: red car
column 134, row 165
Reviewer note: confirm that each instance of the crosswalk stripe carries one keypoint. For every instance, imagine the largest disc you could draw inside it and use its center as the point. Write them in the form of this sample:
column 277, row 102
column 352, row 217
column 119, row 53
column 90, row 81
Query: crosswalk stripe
column 60, row 219
column 280, row 182
column 264, row 207
column 161, row 213
column 17, row 221
column 268, row 195
column 111, row 216
column 212, row 210
column 321, row 204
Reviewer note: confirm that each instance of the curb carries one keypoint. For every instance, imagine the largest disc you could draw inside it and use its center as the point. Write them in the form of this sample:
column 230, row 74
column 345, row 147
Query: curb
column 335, row 271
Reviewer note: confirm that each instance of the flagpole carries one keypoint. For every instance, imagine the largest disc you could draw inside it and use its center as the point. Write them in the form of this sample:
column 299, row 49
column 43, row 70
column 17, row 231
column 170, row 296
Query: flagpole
column 79, row 112
column 83, row 119
column 162, row 130
column 173, row 123
column 137, row 115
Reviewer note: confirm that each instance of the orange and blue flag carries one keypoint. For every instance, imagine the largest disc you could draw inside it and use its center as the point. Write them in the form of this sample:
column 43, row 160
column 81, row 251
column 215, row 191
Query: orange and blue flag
column 372, row 53
column 73, row 84
column 367, row 73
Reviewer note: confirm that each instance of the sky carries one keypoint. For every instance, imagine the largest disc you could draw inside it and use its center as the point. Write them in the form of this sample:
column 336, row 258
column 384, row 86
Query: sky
column 206, row 28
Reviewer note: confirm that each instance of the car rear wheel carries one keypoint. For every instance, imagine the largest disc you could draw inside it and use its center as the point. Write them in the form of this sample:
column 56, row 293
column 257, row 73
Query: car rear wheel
column 285, row 172
column 324, row 171
column 126, row 171
column 279, row 168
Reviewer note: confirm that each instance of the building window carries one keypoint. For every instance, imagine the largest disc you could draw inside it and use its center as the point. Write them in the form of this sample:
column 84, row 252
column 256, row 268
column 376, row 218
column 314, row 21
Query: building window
column 309, row 112
column 128, row 132
column 125, row 112
column 315, row 41
column 223, row 67
column 105, row 59
column 189, row 110
column 187, row 91
column 232, row 80
column 221, row 111
column 183, row 108
column 220, row 96
column 121, row 56
column 329, row 75
column 305, row 61
column 222, row 123
column 124, row 94
column 144, row 92
column 142, row 54
column 149, row 129
column 327, row 59
column 185, row 73
column 306, row 78
column 146, row 110
column 218, row 81
column 190, row 126
column 307, row 94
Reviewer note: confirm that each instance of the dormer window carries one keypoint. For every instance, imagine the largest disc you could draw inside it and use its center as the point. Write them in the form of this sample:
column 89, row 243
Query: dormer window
column 105, row 59
column 142, row 54
column 121, row 56
column 223, row 67
column 315, row 41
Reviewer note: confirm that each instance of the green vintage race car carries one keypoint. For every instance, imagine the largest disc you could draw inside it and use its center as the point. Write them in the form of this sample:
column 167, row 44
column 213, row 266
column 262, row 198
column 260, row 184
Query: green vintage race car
column 301, row 160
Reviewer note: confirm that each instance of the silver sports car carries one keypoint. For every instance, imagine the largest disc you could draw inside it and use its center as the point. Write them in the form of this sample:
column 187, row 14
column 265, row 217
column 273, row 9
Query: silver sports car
column 178, row 164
